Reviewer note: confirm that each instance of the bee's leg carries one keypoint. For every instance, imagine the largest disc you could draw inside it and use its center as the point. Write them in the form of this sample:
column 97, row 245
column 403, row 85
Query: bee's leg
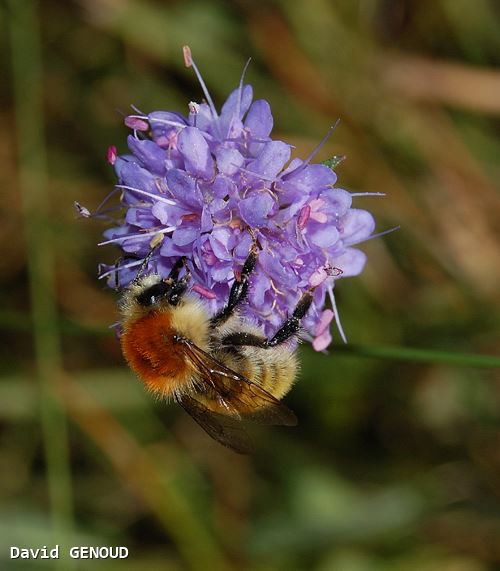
column 176, row 268
column 239, row 288
column 243, row 339
column 178, row 286
column 117, row 267
column 289, row 328
column 292, row 325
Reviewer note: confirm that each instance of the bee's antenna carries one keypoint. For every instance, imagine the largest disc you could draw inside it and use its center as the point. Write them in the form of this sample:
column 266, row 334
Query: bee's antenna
column 117, row 278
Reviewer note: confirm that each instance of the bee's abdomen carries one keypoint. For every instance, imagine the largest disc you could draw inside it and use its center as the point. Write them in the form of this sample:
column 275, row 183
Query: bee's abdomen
column 273, row 369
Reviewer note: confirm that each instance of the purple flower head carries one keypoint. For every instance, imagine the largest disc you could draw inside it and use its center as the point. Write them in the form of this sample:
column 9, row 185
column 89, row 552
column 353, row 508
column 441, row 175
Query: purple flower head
column 202, row 185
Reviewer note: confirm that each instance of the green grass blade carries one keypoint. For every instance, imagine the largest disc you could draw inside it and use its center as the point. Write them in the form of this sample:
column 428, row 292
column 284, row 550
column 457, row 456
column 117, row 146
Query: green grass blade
column 418, row 355
column 27, row 83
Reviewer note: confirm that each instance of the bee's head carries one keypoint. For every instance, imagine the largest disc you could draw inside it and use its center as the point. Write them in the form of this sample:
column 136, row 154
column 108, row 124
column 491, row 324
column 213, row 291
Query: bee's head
column 151, row 292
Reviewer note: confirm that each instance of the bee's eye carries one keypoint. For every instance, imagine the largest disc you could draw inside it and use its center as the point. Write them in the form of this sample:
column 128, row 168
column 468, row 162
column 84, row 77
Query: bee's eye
column 153, row 294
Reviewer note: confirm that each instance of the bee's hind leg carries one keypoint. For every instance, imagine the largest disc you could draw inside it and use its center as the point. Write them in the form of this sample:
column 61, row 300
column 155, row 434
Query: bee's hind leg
column 239, row 288
column 292, row 325
column 288, row 328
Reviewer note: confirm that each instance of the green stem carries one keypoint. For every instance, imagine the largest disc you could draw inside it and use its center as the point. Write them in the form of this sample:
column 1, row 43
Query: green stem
column 419, row 355
column 27, row 87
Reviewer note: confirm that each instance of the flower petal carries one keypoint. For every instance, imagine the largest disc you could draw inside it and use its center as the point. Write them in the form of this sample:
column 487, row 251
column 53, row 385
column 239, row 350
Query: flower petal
column 324, row 321
column 311, row 178
column 260, row 285
column 321, row 342
column 271, row 159
column 228, row 111
column 185, row 235
column 183, row 187
column 142, row 217
column 274, row 268
column 131, row 174
column 168, row 214
column 338, row 201
column 322, row 235
column 259, row 119
column 357, row 226
column 196, row 152
column 255, row 209
column 149, row 154
column 228, row 160
column 201, row 181
column 351, row 261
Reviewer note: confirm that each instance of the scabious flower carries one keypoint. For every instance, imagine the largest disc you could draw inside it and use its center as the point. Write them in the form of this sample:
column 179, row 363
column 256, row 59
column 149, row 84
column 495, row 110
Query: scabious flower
column 202, row 185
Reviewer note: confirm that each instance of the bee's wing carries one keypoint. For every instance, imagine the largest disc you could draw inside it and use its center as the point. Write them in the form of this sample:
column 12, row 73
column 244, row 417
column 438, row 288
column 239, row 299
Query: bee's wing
column 221, row 427
column 232, row 393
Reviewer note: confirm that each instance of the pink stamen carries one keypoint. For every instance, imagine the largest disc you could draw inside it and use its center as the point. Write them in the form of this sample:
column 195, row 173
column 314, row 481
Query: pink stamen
column 189, row 62
column 163, row 142
column 111, row 155
column 190, row 217
column 321, row 342
column 318, row 277
column 324, row 322
column 194, row 108
column 136, row 123
column 320, row 217
column 316, row 204
column 204, row 291
column 323, row 337
column 186, row 52
column 304, row 214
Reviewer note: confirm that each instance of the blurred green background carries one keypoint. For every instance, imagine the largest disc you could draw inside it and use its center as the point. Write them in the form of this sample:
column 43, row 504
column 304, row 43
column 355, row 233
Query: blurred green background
column 395, row 464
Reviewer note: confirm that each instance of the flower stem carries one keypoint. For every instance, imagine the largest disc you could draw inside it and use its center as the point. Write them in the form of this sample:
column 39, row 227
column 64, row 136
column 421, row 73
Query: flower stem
column 419, row 355
column 27, row 89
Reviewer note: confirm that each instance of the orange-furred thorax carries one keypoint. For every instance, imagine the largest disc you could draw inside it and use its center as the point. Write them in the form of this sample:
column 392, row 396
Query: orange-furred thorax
column 149, row 348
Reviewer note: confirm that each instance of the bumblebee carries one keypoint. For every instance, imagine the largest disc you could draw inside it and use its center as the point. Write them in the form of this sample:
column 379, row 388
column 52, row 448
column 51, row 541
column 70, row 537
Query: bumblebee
column 219, row 368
